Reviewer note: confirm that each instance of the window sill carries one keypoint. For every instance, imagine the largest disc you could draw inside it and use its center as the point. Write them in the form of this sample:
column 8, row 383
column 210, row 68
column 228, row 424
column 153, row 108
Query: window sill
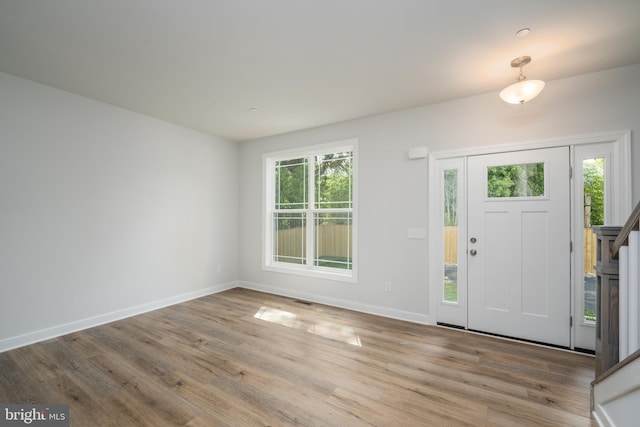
column 319, row 273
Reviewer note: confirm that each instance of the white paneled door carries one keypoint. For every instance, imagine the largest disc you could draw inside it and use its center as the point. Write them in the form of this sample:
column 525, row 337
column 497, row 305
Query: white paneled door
column 519, row 245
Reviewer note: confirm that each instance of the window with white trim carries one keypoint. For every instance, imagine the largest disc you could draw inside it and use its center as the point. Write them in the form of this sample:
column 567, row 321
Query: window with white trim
column 310, row 211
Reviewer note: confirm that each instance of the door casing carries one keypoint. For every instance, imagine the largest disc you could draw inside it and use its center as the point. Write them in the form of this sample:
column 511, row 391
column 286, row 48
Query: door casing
column 620, row 197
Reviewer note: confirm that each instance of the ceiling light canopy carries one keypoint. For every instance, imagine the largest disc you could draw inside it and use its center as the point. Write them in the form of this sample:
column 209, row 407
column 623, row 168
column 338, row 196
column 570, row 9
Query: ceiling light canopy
column 523, row 90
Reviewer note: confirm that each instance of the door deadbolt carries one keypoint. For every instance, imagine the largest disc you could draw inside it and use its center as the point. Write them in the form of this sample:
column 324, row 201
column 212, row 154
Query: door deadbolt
column 473, row 240
column 473, row 252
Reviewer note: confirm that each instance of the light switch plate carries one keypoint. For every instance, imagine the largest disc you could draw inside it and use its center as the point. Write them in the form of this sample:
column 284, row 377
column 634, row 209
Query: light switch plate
column 417, row 233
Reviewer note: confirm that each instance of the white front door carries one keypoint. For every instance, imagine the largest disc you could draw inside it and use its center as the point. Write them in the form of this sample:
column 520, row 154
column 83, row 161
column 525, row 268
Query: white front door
column 518, row 248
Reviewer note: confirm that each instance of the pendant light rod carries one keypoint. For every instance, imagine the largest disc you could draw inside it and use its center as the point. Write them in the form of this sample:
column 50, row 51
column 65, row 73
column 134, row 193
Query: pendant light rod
column 519, row 63
column 523, row 90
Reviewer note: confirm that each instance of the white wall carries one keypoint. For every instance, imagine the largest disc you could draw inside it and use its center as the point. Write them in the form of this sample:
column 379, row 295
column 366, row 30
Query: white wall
column 393, row 190
column 105, row 212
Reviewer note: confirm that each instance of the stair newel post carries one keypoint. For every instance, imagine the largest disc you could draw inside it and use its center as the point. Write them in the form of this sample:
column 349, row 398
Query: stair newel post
column 607, row 299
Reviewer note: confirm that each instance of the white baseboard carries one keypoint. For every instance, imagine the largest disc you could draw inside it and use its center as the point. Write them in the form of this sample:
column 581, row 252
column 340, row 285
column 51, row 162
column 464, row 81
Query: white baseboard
column 67, row 328
column 337, row 302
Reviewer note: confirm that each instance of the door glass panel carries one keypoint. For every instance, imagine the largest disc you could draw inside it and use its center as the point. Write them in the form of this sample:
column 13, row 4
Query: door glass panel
column 593, row 180
column 450, row 289
column 523, row 180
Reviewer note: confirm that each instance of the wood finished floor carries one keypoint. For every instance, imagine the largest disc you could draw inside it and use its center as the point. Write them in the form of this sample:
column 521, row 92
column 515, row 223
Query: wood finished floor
column 244, row 358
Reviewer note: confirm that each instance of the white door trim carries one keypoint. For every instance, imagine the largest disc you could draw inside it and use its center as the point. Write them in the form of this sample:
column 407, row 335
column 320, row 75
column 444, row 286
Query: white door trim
column 621, row 195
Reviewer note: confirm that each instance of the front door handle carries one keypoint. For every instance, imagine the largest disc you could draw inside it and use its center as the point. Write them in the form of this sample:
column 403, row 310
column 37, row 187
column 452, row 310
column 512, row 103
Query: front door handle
column 473, row 252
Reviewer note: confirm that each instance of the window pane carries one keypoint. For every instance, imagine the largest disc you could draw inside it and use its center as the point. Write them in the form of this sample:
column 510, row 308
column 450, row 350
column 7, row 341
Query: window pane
column 333, row 240
column 291, row 184
column 334, row 184
column 525, row 180
column 290, row 237
column 450, row 290
column 593, row 181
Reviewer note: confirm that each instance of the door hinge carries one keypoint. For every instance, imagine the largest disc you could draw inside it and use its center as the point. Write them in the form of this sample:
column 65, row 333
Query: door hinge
column 570, row 172
column 571, row 247
column 571, row 321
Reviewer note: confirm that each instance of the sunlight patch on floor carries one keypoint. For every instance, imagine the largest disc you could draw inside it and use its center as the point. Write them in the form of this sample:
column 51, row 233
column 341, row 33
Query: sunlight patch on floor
column 274, row 315
column 323, row 328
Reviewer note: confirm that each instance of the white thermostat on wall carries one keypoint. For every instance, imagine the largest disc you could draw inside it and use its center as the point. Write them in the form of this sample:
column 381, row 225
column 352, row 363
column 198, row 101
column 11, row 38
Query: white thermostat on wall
column 418, row 153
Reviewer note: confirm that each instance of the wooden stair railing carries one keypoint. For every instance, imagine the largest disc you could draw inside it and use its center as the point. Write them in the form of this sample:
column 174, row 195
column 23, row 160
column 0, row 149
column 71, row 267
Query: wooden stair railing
column 617, row 289
column 626, row 248
column 607, row 299
column 617, row 322
column 629, row 226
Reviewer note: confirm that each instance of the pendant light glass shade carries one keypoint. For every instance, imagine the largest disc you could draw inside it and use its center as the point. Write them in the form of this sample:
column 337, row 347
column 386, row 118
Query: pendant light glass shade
column 521, row 92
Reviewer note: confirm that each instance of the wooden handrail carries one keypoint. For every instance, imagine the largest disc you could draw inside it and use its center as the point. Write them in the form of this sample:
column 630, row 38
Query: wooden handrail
column 623, row 238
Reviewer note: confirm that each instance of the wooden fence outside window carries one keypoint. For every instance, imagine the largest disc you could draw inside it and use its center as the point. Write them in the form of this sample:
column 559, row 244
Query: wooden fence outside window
column 332, row 240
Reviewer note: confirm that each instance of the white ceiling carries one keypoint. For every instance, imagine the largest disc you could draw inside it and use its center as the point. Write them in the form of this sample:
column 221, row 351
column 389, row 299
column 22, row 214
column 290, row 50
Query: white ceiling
column 303, row 63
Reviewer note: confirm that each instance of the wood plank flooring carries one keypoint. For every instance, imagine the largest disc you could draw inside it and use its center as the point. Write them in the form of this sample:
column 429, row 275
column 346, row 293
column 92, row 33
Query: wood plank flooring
column 245, row 358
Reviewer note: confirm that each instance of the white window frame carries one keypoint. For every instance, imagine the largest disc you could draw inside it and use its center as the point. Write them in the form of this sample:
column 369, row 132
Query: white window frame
column 449, row 312
column 268, row 264
column 616, row 210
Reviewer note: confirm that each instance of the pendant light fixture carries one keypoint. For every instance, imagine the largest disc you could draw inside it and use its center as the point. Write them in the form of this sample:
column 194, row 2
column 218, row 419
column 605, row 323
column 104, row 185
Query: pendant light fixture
column 523, row 90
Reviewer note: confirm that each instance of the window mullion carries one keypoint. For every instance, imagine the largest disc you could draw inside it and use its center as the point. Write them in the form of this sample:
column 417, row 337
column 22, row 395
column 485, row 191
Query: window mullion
column 311, row 225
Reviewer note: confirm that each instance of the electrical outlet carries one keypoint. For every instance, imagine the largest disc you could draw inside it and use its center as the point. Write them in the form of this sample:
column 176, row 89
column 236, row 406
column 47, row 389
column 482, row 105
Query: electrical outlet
column 387, row 286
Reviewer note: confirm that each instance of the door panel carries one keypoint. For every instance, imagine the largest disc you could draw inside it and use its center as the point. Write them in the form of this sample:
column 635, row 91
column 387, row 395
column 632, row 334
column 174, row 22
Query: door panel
column 519, row 233
column 535, row 289
column 496, row 250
